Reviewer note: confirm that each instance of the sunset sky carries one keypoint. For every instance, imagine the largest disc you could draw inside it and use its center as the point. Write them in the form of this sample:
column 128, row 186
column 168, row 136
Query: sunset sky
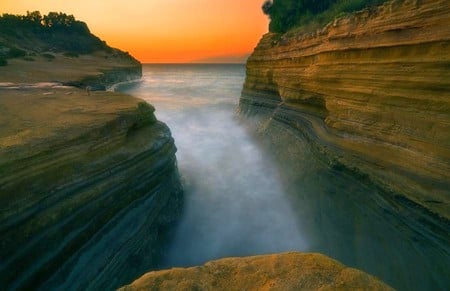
column 164, row 30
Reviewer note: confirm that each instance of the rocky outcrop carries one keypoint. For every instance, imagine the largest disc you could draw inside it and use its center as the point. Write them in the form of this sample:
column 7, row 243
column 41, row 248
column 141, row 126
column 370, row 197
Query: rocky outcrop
column 288, row 271
column 371, row 92
column 117, row 68
column 357, row 115
column 88, row 185
column 108, row 78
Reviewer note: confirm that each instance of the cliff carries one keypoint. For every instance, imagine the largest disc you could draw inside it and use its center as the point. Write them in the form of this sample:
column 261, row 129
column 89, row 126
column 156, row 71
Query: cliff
column 89, row 184
column 357, row 116
column 370, row 92
column 287, row 271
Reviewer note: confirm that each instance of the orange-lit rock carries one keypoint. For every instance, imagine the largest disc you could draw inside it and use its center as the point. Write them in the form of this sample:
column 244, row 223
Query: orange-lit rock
column 371, row 91
column 287, row 271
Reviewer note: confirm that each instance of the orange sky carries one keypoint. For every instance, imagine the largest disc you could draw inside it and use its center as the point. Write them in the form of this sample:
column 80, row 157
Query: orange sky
column 164, row 30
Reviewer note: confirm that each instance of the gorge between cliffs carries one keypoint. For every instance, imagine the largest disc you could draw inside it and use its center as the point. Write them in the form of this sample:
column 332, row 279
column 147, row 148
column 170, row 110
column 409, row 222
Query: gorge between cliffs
column 322, row 163
column 339, row 146
column 243, row 198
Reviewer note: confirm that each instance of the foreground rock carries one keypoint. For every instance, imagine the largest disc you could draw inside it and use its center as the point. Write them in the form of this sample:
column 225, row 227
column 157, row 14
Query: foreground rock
column 288, row 271
column 371, row 92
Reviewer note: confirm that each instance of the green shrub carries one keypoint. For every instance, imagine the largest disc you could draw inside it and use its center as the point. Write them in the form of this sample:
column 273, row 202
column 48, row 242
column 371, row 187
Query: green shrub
column 29, row 59
column 287, row 14
column 347, row 6
column 3, row 62
column 58, row 31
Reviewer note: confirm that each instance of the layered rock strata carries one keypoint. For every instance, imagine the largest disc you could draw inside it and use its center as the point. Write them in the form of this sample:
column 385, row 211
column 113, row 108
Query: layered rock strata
column 371, row 92
column 358, row 115
column 88, row 186
column 98, row 70
column 287, row 271
column 107, row 77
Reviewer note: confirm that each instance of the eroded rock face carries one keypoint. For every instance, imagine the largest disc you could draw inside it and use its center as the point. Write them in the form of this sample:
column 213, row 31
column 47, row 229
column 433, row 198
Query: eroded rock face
column 88, row 185
column 288, row 271
column 357, row 115
column 370, row 91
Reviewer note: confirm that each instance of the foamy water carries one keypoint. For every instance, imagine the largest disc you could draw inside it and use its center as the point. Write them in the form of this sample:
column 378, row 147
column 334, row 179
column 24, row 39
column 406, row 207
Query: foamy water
column 234, row 202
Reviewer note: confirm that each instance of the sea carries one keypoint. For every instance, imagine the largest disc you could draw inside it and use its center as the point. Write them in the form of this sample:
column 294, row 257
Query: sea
column 234, row 201
column 237, row 202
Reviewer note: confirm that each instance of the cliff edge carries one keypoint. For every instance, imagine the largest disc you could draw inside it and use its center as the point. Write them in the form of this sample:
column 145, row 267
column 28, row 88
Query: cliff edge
column 370, row 91
column 88, row 179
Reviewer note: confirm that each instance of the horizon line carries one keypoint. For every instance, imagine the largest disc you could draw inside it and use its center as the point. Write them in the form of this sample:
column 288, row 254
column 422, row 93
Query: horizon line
column 191, row 63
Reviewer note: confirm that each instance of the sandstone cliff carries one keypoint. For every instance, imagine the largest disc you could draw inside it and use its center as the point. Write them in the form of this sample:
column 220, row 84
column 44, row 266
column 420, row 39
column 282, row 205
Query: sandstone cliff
column 88, row 180
column 357, row 114
column 370, row 91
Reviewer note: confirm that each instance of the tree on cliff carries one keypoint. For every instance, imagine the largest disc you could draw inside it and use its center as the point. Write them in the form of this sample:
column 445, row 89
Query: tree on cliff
column 286, row 14
column 55, row 31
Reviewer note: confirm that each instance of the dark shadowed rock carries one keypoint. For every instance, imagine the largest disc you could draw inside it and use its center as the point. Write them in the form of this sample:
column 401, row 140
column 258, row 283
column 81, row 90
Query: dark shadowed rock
column 88, row 180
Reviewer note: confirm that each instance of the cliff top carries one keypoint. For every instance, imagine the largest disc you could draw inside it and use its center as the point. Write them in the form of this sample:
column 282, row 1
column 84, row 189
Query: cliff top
column 287, row 271
column 286, row 15
column 36, row 118
column 62, row 68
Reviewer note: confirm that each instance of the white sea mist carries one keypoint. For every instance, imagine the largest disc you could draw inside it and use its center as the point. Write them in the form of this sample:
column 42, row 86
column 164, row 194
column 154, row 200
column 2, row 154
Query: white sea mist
column 234, row 200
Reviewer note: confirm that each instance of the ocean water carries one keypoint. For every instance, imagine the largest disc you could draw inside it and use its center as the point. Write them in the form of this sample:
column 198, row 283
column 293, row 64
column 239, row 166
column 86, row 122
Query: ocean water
column 240, row 201
column 234, row 202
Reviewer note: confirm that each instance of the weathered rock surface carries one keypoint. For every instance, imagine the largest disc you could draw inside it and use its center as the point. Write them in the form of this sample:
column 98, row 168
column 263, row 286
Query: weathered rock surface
column 370, row 92
column 88, row 180
column 357, row 116
column 86, row 184
column 99, row 69
column 287, row 271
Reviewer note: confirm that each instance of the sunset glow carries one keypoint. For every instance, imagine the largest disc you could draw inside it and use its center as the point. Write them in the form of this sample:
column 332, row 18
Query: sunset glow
column 164, row 31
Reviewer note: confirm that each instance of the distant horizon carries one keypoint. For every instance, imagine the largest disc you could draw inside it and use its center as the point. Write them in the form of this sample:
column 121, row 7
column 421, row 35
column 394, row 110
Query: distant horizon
column 231, row 59
column 161, row 32
column 192, row 63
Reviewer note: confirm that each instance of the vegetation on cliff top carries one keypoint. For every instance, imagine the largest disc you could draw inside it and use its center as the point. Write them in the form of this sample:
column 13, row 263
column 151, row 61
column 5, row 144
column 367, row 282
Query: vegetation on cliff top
column 33, row 33
column 287, row 14
column 53, row 32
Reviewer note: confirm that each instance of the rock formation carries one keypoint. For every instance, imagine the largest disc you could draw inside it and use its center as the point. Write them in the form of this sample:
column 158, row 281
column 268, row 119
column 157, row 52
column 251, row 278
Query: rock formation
column 358, row 116
column 88, row 180
column 287, row 271
column 371, row 91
